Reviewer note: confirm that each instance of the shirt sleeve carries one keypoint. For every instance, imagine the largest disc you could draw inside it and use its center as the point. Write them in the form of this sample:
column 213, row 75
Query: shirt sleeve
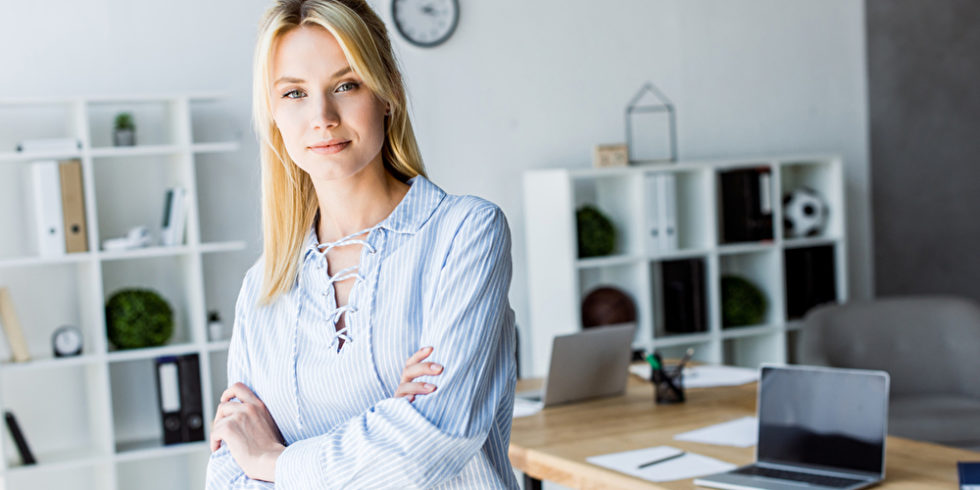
column 223, row 472
column 423, row 444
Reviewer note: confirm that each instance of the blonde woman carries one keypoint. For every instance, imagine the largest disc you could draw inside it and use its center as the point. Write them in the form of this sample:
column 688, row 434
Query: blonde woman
column 365, row 263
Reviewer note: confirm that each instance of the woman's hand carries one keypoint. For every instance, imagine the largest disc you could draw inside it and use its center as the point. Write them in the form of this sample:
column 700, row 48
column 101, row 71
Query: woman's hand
column 414, row 368
column 249, row 431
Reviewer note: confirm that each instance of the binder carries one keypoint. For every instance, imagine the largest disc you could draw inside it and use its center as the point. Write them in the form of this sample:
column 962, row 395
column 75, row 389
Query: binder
column 668, row 211
column 651, row 193
column 683, row 296
column 746, row 199
column 191, row 409
column 73, row 206
column 47, row 208
column 174, row 211
column 168, row 395
column 26, row 456
column 811, row 279
column 12, row 328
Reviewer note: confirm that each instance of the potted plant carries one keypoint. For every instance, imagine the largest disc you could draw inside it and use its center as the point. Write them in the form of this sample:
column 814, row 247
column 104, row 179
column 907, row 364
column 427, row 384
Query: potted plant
column 124, row 133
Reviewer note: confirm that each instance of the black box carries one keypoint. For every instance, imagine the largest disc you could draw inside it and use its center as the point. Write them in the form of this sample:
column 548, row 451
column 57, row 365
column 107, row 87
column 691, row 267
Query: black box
column 683, row 294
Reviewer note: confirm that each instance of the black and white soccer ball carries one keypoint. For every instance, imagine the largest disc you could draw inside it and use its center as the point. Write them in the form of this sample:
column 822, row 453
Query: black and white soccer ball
column 804, row 213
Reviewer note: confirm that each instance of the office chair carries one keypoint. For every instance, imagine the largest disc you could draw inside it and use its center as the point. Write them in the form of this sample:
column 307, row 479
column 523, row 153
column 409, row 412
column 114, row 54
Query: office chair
column 930, row 345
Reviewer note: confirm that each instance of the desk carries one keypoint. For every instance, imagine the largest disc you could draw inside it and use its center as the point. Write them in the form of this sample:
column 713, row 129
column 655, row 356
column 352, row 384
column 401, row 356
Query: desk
column 552, row 445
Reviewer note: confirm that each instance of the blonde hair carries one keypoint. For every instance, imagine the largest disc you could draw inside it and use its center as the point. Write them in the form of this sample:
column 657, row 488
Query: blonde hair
column 289, row 201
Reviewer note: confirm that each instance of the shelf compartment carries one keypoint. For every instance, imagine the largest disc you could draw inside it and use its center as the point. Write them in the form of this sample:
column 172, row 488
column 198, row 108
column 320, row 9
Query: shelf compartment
column 674, row 202
column 761, row 269
column 752, row 351
column 221, row 288
column 209, row 120
column 59, row 437
column 157, row 122
column 19, row 242
column 137, row 422
column 173, row 278
column 129, row 194
column 34, row 290
column 631, row 281
column 619, row 198
column 811, row 278
column 680, row 297
column 25, row 120
column 822, row 176
column 169, row 469
column 746, row 204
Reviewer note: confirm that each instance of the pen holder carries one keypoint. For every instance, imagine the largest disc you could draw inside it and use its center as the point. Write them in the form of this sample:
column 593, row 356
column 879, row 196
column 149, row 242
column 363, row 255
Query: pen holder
column 668, row 385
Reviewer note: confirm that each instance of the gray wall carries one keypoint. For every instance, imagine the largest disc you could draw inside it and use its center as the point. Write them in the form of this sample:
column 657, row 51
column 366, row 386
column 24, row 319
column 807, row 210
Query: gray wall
column 924, row 96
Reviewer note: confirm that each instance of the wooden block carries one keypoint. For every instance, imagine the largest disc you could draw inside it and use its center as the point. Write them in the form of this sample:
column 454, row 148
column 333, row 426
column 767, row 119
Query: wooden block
column 11, row 327
column 616, row 155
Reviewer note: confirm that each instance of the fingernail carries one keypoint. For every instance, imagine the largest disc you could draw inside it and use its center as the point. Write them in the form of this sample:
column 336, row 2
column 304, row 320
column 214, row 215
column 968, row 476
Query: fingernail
column 428, row 386
column 436, row 367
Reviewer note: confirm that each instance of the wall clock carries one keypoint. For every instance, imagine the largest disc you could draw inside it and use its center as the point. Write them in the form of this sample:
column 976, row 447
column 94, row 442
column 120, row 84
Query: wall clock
column 425, row 23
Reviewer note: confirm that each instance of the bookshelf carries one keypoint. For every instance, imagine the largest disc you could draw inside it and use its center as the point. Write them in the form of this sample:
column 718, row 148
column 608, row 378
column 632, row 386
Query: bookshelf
column 93, row 420
column 558, row 279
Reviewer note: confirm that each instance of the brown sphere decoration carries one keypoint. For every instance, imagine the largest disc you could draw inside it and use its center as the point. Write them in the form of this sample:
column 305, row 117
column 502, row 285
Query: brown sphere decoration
column 607, row 306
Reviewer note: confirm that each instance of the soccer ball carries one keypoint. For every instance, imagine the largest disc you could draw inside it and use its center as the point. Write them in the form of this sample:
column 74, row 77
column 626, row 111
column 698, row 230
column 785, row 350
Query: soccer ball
column 804, row 213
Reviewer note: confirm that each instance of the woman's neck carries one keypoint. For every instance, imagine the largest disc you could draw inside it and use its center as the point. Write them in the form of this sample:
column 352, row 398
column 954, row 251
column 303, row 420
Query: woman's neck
column 358, row 202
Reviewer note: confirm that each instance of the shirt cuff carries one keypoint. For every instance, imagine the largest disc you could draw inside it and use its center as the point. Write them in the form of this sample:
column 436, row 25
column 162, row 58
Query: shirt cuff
column 298, row 465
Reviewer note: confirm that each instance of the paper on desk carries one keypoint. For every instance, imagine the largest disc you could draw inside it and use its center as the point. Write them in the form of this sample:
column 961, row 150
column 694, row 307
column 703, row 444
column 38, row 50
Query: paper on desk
column 743, row 432
column 707, row 376
column 523, row 408
column 689, row 465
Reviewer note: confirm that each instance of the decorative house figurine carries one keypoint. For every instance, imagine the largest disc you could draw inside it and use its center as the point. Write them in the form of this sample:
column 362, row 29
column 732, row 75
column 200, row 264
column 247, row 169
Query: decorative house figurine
column 651, row 127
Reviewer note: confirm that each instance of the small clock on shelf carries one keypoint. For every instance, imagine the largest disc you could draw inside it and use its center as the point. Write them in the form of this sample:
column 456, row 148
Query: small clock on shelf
column 425, row 23
column 67, row 341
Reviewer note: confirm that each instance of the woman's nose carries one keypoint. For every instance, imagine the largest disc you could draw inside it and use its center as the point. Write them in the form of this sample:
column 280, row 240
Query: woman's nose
column 326, row 115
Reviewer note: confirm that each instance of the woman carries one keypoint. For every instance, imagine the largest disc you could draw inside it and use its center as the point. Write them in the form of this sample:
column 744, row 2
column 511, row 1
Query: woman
column 365, row 261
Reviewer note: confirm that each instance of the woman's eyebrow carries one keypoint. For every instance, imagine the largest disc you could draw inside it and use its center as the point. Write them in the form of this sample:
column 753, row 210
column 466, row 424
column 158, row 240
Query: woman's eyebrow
column 286, row 79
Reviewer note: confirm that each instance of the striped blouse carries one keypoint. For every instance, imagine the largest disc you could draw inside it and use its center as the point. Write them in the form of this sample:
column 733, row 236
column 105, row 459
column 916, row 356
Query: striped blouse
column 435, row 272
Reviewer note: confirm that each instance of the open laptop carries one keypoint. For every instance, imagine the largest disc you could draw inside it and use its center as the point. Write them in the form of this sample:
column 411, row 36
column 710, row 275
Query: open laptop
column 819, row 428
column 589, row 364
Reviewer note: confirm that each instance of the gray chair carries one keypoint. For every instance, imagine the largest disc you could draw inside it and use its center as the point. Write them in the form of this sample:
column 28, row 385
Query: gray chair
column 930, row 345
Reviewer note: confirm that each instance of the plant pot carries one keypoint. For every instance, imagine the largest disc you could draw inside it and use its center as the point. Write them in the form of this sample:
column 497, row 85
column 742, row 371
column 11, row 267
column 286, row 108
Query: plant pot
column 124, row 137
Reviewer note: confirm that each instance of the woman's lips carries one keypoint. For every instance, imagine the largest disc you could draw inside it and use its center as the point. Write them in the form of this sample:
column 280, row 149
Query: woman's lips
column 329, row 149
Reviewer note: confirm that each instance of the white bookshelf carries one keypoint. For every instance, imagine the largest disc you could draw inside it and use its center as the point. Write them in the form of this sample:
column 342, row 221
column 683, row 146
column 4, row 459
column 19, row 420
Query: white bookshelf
column 93, row 420
column 558, row 280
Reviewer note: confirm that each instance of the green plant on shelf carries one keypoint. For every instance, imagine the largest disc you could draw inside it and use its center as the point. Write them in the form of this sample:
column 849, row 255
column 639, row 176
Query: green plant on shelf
column 138, row 318
column 742, row 303
column 596, row 233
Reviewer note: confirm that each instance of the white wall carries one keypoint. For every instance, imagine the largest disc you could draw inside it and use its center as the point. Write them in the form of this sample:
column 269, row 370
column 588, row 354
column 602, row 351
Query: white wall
column 522, row 84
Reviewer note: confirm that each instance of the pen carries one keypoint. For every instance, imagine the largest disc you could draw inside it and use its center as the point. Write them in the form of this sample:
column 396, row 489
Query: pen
column 657, row 372
column 687, row 357
column 661, row 460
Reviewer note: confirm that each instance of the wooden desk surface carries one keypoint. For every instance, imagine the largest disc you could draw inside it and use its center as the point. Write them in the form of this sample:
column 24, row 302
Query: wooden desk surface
column 552, row 445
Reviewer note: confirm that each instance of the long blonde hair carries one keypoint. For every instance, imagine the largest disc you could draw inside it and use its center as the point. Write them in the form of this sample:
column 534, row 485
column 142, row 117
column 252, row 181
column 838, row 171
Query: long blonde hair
column 289, row 201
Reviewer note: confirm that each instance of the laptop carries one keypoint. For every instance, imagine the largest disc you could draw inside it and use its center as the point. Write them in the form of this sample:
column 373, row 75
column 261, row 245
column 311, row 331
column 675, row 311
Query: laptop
column 819, row 428
column 591, row 364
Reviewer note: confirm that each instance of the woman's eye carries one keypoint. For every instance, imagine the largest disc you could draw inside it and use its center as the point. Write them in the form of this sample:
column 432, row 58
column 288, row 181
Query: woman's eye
column 292, row 94
column 346, row 87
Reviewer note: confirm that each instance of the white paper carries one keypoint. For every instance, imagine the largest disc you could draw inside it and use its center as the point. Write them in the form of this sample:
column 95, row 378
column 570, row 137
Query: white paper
column 706, row 376
column 743, row 432
column 687, row 466
column 523, row 408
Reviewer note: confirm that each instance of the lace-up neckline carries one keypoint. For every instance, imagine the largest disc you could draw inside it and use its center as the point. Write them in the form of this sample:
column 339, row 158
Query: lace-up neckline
column 342, row 335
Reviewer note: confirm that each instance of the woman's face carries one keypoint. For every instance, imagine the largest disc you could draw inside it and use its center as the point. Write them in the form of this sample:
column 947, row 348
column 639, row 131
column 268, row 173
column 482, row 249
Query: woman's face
column 331, row 123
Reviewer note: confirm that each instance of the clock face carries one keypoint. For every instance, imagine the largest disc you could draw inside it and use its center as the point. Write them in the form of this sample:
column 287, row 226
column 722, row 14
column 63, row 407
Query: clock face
column 425, row 23
column 67, row 341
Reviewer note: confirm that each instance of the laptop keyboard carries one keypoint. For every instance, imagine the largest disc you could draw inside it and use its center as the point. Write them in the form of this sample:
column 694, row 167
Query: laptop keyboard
column 827, row 481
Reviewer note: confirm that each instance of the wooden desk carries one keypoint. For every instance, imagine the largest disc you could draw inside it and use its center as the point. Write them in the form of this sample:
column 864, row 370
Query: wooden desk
column 552, row 445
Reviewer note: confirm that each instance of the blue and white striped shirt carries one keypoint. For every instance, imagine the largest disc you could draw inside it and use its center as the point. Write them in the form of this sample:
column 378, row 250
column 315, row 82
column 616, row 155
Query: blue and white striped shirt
column 436, row 272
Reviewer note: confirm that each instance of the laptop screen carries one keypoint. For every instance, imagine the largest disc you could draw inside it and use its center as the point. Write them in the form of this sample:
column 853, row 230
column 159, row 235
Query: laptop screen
column 823, row 417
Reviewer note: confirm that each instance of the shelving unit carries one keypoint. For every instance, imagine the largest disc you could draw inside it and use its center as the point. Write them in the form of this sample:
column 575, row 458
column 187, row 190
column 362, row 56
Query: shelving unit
column 558, row 279
column 93, row 421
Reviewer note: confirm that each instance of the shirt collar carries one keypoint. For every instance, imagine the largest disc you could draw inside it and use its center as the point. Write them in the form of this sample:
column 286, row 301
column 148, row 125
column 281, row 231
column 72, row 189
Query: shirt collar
column 421, row 200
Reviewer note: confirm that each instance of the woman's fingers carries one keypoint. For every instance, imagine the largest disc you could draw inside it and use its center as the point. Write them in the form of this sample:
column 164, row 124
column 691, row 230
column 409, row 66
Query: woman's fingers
column 420, row 369
column 411, row 389
column 418, row 356
column 242, row 392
